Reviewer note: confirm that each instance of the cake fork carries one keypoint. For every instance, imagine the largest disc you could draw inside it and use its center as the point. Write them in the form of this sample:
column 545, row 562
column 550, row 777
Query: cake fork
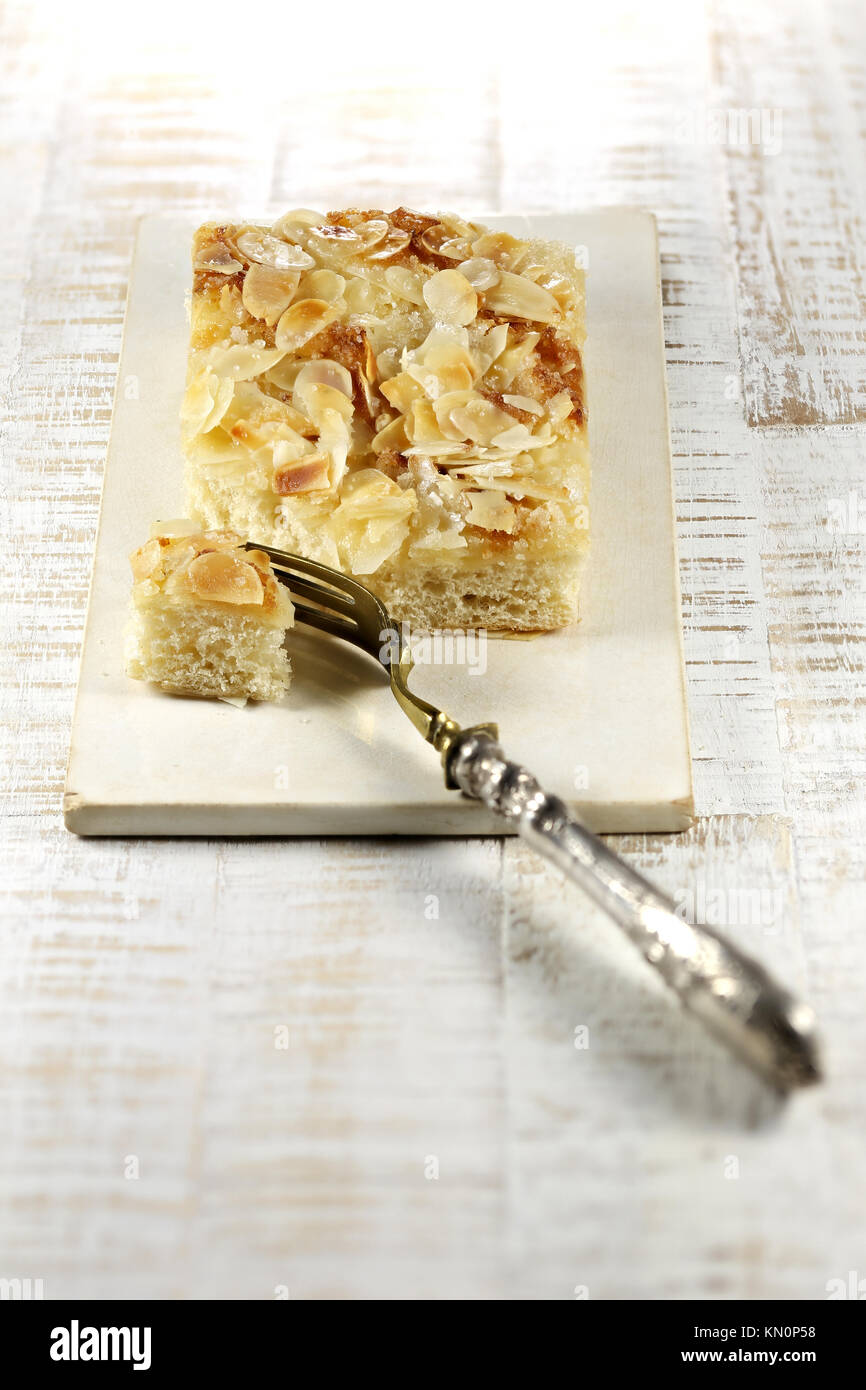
column 729, row 991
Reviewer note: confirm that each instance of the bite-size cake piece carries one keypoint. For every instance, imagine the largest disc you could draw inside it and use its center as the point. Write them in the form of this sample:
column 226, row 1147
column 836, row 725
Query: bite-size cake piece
column 402, row 397
column 209, row 617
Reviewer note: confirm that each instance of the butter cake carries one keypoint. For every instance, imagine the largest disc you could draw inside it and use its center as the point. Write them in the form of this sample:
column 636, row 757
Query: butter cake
column 402, row 397
column 209, row 617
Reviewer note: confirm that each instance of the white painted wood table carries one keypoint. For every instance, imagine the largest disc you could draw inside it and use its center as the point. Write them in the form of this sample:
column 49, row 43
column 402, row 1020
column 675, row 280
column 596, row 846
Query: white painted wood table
column 361, row 1069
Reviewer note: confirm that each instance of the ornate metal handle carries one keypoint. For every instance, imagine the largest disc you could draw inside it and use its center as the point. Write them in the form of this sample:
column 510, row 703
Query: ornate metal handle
column 732, row 993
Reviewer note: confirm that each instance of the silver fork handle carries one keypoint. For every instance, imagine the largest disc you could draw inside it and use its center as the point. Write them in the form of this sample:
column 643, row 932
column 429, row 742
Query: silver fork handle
column 730, row 992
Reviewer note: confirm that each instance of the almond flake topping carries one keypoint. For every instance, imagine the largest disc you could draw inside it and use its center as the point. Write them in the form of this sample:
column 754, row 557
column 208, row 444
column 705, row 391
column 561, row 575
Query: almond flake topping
column 481, row 272
column 491, row 511
column 323, row 284
column 394, row 243
column 268, row 292
column 441, row 241
column 293, row 226
column 217, row 257
column 450, row 297
column 270, row 250
column 404, row 283
column 224, row 579
column 413, row 343
column 310, row 473
column 515, row 297
column 323, row 372
column 243, row 361
column 302, row 321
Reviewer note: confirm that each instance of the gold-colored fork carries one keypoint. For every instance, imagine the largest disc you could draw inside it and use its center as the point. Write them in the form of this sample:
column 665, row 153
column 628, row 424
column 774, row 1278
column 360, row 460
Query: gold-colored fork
column 731, row 992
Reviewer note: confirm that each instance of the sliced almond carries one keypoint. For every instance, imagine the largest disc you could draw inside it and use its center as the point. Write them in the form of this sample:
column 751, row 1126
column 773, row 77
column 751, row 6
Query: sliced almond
column 454, row 376
column 317, row 397
column 395, row 242
column 372, row 232
column 285, row 373
column 325, row 372
column 290, row 447
column 372, row 496
column 372, row 520
column 559, row 407
column 370, row 365
column 217, row 258
column 443, row 408
column 515, row 438
column 333, row 234
column 519, row 259
column 441, row 241
column 423, row 427
column 515, row 297
column 487, row 350
column 491, row 511
column 174, row 529
column 146, row 562
column 524, row 403
column 481, row 272
column 511, row 361
column 268, row 292
column 426, row 379
column 224, row 578
column 243, row 361
column 442, row 335
column 264, row 249
column 401, row 391
column 480, row 420
column 452, row 363
column 206, row 400
column 404, row 283
column 361, row 296
column 293, row 226
column 458, row 227
column 497, row 246
column 334, row 439
column 302, row 321
column 307, row 474
column 323, row 284
column 449, row 296
column 561, row 288
column 449, row 452
column 391, row 436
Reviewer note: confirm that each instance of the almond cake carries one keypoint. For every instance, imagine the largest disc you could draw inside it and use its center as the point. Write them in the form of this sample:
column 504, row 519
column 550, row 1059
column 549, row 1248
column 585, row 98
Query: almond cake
column 400, row 396
column 209, row 617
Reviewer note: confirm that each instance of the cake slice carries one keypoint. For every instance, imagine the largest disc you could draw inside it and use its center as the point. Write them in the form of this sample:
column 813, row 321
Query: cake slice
column 209, row 617
column 402, row 397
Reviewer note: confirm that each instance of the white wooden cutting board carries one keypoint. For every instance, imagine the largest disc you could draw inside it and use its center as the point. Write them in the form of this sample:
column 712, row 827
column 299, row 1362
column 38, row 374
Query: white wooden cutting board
column 597, row 711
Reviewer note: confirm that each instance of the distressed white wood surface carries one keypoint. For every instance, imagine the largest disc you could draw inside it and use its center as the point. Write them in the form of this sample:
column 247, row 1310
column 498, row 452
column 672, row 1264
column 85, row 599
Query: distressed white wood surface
column 428, row 993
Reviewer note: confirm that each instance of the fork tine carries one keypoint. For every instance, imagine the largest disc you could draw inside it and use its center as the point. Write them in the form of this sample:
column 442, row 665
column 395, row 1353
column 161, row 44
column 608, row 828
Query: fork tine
column 286, row 559
column 324, row 587
column 329, row 599
column 334, row 579
column 329, row 622
column 365, row 620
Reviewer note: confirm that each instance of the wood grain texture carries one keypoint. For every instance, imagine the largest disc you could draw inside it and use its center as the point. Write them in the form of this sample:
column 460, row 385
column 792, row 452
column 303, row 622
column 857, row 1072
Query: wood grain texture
column 801, row 286
column 286, row 1038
